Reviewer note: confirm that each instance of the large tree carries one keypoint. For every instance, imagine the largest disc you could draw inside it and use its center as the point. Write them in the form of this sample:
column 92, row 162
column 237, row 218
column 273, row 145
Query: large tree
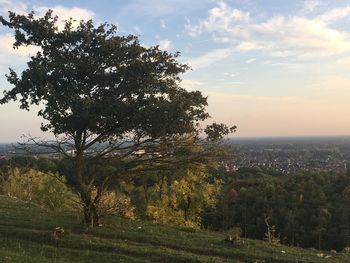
column 109, row 100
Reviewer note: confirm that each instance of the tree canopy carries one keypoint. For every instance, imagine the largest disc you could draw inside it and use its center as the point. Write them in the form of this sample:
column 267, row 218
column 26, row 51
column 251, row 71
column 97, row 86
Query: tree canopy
column 92, row 81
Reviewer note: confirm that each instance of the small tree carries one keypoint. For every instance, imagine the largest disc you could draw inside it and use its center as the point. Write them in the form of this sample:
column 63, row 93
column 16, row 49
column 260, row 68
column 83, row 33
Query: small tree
column 109, row 101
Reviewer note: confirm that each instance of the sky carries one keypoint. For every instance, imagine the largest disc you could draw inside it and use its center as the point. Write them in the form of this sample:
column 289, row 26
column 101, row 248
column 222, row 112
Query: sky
column 271, row 67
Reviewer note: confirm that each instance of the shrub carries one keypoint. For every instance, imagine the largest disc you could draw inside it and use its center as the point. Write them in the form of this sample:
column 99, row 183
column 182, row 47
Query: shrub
column 46, row 189
column 112, row 203
column 234, row 236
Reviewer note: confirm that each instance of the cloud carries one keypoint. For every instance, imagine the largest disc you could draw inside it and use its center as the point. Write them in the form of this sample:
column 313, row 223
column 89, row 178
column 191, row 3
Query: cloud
column 334, row 14
column 17, row 56
column 20, row 55
column 344, row 61
column 165, row 44
column 249, row 61
column 161, row 8
column 190, row 84
column 290, row 66
column 65, row 13
column 14, row 6
column 210, row 58
column 220, row 19
column 232, row 75
column 162, row 23
column 310, row 5
column 277, row 35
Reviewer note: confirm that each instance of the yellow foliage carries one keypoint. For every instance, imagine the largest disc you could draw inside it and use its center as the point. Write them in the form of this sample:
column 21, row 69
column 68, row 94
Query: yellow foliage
column 185, row 200
column 46, row 189
column 112, row 203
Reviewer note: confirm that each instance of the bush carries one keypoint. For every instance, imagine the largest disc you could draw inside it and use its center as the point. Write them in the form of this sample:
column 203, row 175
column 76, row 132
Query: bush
column 234, row 236
column 112, row 203
column 45, row 189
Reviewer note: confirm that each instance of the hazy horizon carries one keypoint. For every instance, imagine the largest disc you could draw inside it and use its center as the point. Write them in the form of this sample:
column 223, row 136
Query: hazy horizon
column 273, row 68
column 257, row 138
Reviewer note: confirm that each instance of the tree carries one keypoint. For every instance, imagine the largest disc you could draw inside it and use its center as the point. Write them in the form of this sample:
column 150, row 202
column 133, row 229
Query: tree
column 109, row 101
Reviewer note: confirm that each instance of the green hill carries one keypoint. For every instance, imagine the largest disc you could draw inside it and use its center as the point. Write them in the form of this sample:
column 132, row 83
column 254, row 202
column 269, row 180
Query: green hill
column 25, row 236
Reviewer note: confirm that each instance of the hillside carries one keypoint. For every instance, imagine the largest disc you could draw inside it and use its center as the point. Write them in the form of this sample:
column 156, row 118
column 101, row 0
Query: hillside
column 25, row 236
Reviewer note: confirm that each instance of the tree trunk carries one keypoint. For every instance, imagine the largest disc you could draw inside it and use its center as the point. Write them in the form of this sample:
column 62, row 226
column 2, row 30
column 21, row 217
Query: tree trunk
column 187, row 208
column 91, row 216
column 89, row 203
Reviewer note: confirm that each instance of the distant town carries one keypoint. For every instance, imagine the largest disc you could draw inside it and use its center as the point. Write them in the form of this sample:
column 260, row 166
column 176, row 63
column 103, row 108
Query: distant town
column 281, row 155
column 287, row 155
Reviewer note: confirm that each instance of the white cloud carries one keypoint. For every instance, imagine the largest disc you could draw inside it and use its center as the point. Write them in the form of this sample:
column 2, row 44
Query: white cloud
column 161, row 8
column 19, row 55
column 334, row 14
column 248, row 46
column 310, row 5
column 291, row 67
column 249, row 61
column 210, row 58
column 277, row 35
column 220, row 19
column 65, row 13
column 190, row 84
column 232, row 75
column 14, row 6
column 344, row 61
column 165, row 44
column 162, row 23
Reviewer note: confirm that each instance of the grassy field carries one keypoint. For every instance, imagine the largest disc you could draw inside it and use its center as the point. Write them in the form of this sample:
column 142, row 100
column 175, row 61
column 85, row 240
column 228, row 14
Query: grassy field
column 25, row 236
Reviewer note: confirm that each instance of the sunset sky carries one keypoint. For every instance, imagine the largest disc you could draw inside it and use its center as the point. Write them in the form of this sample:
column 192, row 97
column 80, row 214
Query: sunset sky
column 272, row 67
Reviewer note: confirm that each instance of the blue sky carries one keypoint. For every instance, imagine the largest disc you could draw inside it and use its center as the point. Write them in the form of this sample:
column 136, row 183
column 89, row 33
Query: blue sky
column 272, row 67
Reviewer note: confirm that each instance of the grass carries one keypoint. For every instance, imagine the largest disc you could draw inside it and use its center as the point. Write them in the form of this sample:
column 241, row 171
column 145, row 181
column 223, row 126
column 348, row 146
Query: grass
column 25, row 236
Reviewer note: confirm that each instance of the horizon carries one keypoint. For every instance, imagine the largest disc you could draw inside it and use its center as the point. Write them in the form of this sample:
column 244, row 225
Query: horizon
column 277, row 138
column 274, row 69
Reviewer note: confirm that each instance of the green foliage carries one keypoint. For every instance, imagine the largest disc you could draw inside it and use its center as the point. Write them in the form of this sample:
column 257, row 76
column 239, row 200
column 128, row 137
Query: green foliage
column 235, row 232
column 234, row 236
column 216, row 131
column 46, row 189
column 308, row 209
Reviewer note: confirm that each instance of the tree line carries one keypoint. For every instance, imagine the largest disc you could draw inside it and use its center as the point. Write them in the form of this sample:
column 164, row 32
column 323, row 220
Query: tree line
column 308, row 209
